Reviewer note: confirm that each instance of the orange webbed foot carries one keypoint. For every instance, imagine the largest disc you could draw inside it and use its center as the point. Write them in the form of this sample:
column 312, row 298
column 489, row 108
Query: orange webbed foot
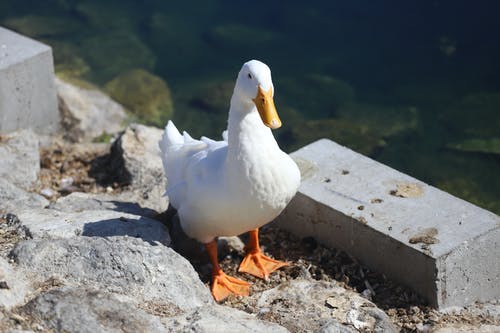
column 259, row 265
column 224, row 285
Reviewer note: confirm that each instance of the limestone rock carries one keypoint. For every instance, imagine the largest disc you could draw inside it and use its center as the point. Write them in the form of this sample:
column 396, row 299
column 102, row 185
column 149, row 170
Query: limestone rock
column 20, row 160
column 135, row 159
column 88, row 113
column 70, row 309
column 125, row 202
column 219, row 319
column 305, row 305
column 14, row 199
column 146, row 95
column 13, row 286
column 43, row 223
column 135, row 269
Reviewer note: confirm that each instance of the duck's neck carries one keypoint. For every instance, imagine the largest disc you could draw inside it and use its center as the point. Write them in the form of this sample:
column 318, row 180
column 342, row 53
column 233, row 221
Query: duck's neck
column 247, row 134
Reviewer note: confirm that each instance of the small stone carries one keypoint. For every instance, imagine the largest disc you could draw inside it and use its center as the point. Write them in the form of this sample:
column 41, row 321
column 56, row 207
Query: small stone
column 47, row 192
column 66, row 182
column 4, row 285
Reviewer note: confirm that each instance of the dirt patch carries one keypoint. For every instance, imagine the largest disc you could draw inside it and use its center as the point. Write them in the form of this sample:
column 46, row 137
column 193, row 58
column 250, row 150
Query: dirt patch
column 67, row 168
column 426, row 236
column 407, row 191
column 309, row 259
column 10, row 233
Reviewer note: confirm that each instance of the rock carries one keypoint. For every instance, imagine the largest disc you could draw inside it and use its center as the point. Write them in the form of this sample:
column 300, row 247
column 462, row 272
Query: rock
column 70, row 309
column 135, row 269
column 146, row 95
column 14, row 199
column 474, row 115
column 318, row 304
column 323, row 96
column 469, row 189
column 227, row 244
column 43, row 223
column 382, row 120
column 114, row 52
column 355, row 136
column 88, row 113
column 125, row 202
column 214, row 97
column 40, row 26
column 334, row 326
column 13, row 286
column 135, row 159
column 68, row 61
column 219, row 319
column 485, row 146
column 20, row 160
column 465, row 328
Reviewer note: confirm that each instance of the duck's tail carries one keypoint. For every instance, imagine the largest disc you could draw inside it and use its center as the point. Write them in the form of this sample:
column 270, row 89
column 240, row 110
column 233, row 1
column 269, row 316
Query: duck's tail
column 176, row 149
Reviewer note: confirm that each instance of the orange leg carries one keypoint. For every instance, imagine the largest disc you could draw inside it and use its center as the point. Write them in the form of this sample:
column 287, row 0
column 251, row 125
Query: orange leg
column 224, row 285
column 255, row 262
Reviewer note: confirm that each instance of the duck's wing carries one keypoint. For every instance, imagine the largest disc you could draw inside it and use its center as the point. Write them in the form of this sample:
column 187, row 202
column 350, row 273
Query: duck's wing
column 179, row 153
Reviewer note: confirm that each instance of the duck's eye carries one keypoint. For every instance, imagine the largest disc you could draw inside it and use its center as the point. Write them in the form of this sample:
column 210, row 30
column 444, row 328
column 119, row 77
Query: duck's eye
column 249, row 75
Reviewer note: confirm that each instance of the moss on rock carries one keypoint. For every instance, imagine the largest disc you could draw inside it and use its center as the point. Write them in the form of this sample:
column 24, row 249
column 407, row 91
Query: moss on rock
column 353, row 135
column 384, row 120
column 147, row 96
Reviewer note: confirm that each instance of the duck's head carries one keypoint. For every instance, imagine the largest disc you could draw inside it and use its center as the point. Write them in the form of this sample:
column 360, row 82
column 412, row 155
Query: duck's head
column 254, row 86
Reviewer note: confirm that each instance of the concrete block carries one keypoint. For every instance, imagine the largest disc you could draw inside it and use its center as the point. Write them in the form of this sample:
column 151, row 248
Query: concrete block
column 444, row 248
column 27, row 89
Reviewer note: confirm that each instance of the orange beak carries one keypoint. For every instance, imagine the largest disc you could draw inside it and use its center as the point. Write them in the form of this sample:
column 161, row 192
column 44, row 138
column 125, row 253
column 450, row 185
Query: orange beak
column 267, row 111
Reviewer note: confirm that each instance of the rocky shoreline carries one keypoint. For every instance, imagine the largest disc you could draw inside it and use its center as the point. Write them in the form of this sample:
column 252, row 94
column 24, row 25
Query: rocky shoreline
column 87, row 245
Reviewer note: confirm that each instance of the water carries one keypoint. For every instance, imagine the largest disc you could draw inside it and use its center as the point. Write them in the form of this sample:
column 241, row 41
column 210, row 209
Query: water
column 413, row 84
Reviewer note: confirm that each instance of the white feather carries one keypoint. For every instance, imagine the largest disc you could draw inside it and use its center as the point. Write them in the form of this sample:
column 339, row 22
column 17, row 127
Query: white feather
column 225, row 188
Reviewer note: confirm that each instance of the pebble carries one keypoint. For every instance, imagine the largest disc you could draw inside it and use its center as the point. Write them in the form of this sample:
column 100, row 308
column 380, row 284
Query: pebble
column 47, row 192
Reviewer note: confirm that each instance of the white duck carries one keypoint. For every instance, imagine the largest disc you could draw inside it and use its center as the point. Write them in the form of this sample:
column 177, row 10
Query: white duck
column 225, row 188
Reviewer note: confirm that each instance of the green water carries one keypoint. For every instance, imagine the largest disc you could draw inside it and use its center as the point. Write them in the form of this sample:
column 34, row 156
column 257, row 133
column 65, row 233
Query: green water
column 412, row 84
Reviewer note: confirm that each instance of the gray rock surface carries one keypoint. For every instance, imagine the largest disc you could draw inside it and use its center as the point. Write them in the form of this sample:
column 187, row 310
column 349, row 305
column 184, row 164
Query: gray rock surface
column 81, row 310
column 464, row 328
column 88, row 113
column 13, row 286
column 136, row 158
column 127, row 266
column 309, row 305
column 20, row 159
column 220, row 319
column 46, row 223
column 123, row 202
column 334, row 326
column 14, row 199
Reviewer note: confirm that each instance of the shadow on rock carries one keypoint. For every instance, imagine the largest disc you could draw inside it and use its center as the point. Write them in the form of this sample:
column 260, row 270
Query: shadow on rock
column 143, row 228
